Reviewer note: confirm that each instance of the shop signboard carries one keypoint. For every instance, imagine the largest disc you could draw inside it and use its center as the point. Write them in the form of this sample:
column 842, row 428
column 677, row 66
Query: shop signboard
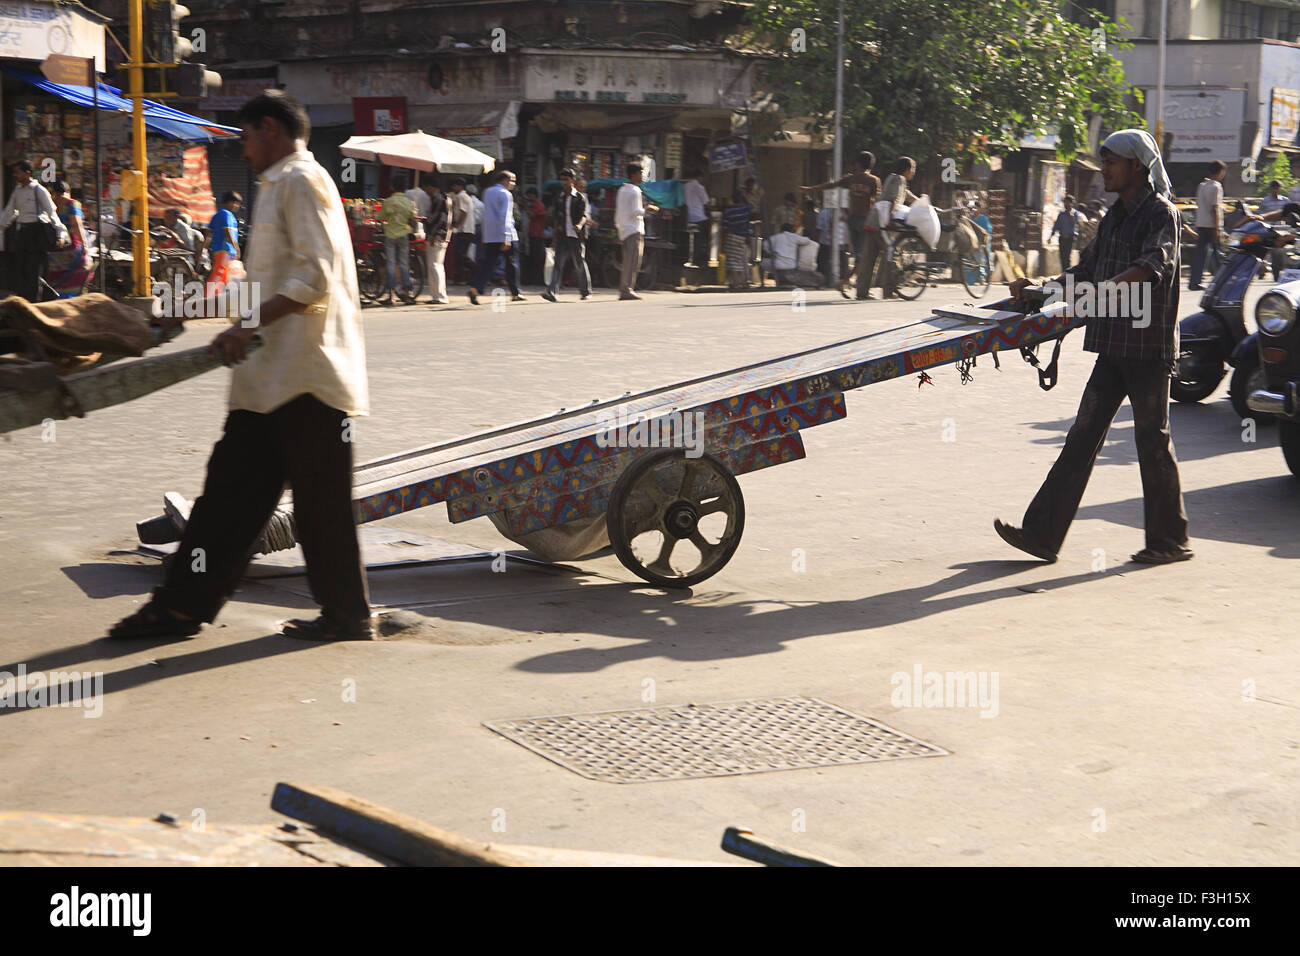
column 377, row 115
column 727, row 156
column 32, row 31
column 1284, row 118
column 1205, row 123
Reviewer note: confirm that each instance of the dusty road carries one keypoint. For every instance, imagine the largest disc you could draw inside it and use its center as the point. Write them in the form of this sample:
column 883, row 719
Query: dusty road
column 1141, row 716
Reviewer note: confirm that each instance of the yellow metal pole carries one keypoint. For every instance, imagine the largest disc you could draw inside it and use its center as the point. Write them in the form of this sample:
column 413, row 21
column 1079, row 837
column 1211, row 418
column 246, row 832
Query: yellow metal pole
column 140, row 206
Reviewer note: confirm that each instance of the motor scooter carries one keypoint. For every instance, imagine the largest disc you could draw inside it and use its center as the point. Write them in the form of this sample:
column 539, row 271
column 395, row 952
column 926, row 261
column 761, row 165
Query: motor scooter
column 1216, row 337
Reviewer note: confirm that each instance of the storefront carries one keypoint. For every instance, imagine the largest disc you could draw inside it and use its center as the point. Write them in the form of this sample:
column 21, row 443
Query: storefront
column 538, row 110
column 32, row 125
column 53, row 126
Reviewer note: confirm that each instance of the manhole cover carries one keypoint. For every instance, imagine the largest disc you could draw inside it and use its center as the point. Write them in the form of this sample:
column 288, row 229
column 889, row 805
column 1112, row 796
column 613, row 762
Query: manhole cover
column 710, row 740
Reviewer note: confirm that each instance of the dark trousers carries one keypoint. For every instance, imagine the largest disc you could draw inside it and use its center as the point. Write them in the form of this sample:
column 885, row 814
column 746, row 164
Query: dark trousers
column 1145, row 382
column 462, row 265
column 487, row 263
column 873, row 251
column 568, row 249
column 1067, row 249
column 1206, row 238
column 27, row 247
column 302, row 443
column 701, row 244
column 535, row 262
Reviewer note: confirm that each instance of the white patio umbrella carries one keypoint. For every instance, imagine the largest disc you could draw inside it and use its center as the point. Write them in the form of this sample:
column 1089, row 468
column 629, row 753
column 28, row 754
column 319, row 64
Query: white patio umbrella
column 419, row 151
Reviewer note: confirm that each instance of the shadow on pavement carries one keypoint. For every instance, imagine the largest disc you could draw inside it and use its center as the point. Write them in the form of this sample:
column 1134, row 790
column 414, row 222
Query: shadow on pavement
column 692, row 627
column 209, row 658
column 1264, row 512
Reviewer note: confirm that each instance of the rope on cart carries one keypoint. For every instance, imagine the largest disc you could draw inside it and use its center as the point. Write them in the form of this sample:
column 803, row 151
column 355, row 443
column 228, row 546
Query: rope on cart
column 279, row 534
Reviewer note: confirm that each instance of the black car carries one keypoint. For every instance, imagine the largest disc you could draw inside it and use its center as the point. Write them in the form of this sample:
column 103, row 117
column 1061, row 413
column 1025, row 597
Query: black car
column 1277, row 315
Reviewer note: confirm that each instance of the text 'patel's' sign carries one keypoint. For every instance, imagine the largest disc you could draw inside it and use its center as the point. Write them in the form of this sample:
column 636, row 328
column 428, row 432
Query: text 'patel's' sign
column 1206, row 124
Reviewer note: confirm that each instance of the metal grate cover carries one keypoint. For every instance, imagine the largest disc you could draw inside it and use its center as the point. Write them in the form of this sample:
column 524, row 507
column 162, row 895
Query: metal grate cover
column 710, row 740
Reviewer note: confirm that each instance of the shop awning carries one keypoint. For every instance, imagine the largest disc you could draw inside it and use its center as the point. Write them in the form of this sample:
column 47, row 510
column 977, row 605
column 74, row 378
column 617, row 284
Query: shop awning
column 172, row 123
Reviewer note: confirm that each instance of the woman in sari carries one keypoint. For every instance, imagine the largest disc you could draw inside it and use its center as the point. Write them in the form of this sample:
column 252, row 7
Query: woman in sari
column 68, row 269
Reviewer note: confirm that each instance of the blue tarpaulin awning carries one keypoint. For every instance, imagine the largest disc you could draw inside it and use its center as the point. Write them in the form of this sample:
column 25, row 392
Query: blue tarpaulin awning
column 158, row 118
column 664, row 193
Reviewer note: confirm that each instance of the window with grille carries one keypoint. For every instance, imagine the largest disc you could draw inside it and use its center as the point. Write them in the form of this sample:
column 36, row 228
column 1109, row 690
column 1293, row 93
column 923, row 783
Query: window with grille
column 1241, row 21
column 1288, row 25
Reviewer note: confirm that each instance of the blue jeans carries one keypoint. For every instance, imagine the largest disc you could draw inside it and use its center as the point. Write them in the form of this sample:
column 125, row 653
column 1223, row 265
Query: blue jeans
column 395, row 251
column 1205, row 238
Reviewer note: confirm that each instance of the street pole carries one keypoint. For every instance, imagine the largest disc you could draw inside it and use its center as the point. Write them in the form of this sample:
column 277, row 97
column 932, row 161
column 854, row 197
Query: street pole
column 838, row 161
column 99, row 192
column 140, row 206
column 1160, row 81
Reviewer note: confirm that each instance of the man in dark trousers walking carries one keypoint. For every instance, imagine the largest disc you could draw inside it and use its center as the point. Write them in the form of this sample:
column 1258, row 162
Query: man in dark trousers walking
column 292, row 401
column 1136, row 244
column 567, row 217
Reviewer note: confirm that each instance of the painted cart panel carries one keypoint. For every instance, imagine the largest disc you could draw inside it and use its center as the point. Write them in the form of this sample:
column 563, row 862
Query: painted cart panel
column 561, row 468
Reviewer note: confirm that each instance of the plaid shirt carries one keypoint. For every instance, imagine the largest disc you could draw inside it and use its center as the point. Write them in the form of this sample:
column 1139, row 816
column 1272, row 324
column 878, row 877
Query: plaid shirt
column 1142, row 232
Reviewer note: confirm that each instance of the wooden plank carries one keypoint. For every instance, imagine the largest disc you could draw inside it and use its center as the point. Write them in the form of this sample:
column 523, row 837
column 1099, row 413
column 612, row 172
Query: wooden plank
column 105, row 386
column 401, row 838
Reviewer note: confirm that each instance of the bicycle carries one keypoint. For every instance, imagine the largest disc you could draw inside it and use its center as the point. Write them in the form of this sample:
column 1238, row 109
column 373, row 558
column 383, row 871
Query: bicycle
column 916, row 269
column 372, row 268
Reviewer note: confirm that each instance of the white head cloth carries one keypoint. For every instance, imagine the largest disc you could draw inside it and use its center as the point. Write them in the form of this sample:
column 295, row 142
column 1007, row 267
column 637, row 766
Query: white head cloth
column 1138, row 144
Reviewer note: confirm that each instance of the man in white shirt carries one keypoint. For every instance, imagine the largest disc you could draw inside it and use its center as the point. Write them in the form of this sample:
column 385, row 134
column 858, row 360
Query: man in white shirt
column 697, row 214
column 629, row 217
column 292, row 401
column 824, row 219
column 462, row 217
column 423, row 204
column 30, row 204
column 787, row 249
column 1209, row 220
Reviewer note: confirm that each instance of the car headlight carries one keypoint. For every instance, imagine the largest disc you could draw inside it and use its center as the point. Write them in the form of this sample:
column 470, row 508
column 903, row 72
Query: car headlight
column 1274, row 314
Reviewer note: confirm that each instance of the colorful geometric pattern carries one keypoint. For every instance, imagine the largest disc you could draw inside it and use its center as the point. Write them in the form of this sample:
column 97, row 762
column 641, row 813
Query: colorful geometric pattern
column 563, row 467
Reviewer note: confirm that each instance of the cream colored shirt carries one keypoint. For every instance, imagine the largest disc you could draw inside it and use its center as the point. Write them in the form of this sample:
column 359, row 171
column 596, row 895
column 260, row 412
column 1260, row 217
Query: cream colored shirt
column 300, row 247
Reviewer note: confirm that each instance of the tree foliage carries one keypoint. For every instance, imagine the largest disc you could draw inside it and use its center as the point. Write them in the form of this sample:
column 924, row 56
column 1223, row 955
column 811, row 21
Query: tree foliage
column 944, row 77
column 1279, row 169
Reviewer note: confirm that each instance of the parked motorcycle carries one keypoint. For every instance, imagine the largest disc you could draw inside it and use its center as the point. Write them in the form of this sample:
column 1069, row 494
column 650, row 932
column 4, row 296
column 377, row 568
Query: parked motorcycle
column 1216, row 337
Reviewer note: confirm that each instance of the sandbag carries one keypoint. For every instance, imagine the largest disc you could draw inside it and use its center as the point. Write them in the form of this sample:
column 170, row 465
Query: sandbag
column 965, row 238
column 923, row 218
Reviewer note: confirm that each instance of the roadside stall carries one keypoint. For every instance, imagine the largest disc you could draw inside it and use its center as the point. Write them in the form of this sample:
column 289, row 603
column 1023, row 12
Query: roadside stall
column 416, row 151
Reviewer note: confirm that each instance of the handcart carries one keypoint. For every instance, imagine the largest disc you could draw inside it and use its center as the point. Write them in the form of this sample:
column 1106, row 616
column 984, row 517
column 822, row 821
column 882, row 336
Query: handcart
column 615, row 472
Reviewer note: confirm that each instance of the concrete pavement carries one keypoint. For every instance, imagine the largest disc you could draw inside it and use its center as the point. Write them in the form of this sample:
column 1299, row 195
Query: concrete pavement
column 1143, row 716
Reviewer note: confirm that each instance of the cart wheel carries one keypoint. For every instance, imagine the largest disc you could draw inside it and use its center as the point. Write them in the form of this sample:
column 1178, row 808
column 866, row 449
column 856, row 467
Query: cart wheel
column 666, row 505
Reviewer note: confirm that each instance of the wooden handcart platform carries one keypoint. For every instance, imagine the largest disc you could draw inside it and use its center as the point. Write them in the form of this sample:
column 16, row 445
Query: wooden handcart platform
column 567, row 484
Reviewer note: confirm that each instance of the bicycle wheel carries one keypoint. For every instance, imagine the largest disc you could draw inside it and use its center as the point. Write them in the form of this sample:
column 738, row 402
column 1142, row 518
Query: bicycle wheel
column 976, row 272
column 371, row 275
column 910, row 267
column 415, row 263
column 418, row 278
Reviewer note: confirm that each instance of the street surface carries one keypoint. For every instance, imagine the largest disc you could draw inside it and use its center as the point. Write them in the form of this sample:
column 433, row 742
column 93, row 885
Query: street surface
column 1144, row 716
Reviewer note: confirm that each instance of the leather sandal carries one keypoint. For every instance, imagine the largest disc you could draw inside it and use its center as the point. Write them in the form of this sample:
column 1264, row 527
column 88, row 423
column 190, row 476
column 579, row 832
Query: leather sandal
column 1016, row 538
column 1148, row 556
column 154, row 620
column 327, row 628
